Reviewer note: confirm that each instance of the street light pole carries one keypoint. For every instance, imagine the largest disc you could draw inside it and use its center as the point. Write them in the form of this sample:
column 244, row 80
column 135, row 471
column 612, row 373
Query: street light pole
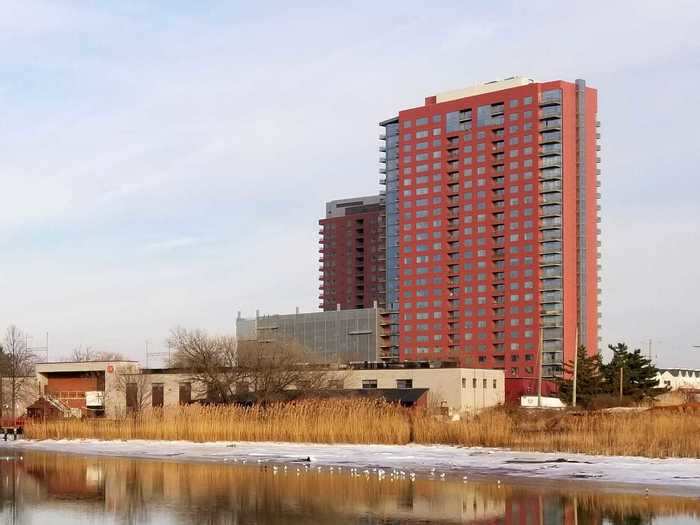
column 573, row 397
column 539, row 375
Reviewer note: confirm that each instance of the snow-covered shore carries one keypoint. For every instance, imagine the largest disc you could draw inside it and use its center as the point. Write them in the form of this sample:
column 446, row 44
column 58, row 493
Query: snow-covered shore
column 673, row 475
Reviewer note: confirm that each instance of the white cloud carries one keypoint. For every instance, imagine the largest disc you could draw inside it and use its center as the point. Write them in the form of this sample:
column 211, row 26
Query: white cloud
column 128, row 137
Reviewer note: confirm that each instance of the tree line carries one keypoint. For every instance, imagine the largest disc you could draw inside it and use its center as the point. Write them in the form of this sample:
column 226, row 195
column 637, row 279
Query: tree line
column 627, row 378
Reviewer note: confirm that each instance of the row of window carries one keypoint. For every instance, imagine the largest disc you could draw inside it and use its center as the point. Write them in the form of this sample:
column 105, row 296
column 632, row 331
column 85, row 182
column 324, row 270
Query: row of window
column 408, row 383
column 487, row 109
column 511, row 262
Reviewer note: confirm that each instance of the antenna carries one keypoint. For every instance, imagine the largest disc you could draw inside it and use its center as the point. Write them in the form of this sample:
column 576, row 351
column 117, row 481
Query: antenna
column 41, row 352
column 159, row 355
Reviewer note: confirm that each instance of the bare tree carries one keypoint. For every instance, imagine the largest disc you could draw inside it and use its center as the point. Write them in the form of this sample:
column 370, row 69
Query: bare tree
column 88, row 353
column 18, row 363
column 135, row 386
column 227, row 367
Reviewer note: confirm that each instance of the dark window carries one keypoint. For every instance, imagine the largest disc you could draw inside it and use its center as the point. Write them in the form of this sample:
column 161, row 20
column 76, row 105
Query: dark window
column 474, row 383
column 132, row 391
column 157, row 395
column 484, row 383
column 185, row 393
column 369, row 383
column 404, row 383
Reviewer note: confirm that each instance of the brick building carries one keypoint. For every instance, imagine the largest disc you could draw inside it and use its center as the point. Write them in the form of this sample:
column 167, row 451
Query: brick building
column 352, row 261
column 491, row 226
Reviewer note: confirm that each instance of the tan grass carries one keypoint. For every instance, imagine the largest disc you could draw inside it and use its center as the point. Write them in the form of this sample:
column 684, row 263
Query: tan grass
column 651, row 433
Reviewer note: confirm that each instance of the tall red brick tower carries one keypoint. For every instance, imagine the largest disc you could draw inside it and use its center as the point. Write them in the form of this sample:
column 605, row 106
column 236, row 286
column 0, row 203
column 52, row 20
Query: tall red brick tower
column 492, row 203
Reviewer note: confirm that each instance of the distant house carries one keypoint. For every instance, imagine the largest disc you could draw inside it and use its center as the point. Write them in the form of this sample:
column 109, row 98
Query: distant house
column 679, row 378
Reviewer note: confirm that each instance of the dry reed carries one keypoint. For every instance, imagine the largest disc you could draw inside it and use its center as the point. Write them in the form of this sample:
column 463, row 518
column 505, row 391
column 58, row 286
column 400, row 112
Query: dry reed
column 651, row 433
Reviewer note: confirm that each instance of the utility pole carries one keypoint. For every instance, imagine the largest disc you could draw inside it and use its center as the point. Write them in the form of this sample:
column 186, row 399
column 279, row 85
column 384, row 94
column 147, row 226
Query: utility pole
column 621, row 378
column 13, row 364
column 539, row 375
column 573, row 395
column 649, row 349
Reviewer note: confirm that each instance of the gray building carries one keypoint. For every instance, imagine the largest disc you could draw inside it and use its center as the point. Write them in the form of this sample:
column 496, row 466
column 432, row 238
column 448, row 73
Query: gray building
column 339, row 336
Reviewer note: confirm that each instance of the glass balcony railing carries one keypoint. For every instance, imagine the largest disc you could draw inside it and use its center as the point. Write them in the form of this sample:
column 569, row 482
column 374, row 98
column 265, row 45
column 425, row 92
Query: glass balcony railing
column 550, row 112
column 550, row 258
column 550, row 124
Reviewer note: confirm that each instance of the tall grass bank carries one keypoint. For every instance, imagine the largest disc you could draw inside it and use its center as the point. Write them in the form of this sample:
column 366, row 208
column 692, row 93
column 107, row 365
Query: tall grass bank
column 654, row 433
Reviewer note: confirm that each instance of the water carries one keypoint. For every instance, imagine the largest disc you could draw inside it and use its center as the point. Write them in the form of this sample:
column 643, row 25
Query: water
column 57, row 489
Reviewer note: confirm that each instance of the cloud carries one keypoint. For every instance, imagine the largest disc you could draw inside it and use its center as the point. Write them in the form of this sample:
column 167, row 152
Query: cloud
column 133, row 135
column 170, row 244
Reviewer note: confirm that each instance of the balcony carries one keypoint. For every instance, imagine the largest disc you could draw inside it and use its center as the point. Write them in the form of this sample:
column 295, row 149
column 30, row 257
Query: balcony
column 550, row 112
column 548, row 359
column 550, row 235
column 551, row 259
column 550, row 137
column 552, row 322
column 550, row 198
column 551, row 284
column 553, row 173
column 551, row 162
column 549, row 99
column 552, row 185
column 552, row 124
column 551, row 210
column 550, row 149
column 550, row 222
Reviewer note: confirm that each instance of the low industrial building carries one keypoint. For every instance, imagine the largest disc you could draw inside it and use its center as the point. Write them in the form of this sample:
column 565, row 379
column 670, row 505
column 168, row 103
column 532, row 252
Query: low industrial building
column 85, row 389
column 111, row 389
column 336, row 336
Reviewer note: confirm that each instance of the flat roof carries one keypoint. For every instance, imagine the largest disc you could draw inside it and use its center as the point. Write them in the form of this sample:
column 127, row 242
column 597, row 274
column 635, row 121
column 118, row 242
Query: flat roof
column 78, row 366
column 480, row 89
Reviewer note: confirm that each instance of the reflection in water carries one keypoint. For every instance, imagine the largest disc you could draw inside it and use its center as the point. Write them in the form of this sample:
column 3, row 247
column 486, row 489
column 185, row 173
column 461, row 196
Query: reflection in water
column 125, row 491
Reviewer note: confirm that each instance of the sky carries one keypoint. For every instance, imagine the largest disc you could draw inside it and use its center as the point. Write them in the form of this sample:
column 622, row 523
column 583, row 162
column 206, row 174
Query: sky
column 165, row 163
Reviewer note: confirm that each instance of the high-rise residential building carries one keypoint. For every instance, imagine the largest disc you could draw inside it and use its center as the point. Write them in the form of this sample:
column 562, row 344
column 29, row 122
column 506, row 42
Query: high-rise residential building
column 492, row 226
column 352, row 260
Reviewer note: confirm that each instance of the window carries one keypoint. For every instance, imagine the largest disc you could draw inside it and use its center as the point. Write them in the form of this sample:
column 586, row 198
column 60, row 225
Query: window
column 369, row 383
column 495, row 383
column 185, row 393
column 132, row 390
column 157, row 395
column 474, row 383
column 484, row 383
column 404, row 383
column 464, row 382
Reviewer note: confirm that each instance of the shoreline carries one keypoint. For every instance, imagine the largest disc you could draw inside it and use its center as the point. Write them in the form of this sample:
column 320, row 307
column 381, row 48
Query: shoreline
column 672, row 476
